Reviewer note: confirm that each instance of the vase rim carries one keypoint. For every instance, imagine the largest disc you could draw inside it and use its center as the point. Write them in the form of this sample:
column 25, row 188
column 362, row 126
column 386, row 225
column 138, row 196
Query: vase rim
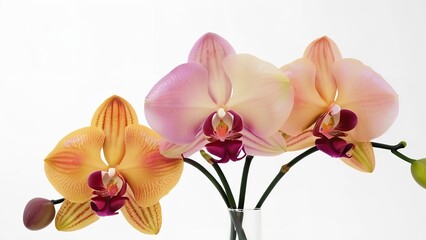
column 243, row 209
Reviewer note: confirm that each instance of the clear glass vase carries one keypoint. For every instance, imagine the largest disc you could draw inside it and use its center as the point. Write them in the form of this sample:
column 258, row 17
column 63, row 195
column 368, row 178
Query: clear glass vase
column 246, row 224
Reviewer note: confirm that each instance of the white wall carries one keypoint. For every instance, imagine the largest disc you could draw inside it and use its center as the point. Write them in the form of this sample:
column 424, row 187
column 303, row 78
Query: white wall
column 60, row 59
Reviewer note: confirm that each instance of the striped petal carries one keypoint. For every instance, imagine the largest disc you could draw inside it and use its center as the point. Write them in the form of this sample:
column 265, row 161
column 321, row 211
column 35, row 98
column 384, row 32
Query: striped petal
column 368, row 95
column 210, row 50
column 112, row 117
column 149, row 174
column 74, row 216
column 324, row 52
column 308, row 104
column 303, row 140
column 145, row 219
column 262, row 94
column 178, row 104
column 172, row 150
column 362, row 157
column 263, row 146
column 75, row 157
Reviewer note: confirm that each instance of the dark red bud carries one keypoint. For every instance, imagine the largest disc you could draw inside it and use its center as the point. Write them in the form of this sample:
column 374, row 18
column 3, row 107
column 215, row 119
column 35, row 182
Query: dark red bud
column 38, row 213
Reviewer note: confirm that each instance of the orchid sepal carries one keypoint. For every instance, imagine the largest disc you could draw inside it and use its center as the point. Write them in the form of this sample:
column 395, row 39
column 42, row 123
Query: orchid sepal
column 74, row 216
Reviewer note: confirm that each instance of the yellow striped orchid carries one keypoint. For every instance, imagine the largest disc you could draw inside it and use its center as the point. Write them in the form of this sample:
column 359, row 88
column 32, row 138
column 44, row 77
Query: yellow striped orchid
column 133, row 177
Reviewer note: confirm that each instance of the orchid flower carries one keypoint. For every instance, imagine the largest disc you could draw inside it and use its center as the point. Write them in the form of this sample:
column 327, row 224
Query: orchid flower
column 340, row 105
column 230, row 104
column 132, row 179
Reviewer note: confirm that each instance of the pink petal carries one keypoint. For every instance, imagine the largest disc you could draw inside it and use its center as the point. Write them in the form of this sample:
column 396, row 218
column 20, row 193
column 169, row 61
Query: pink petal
column 308, row 104
column 324, row 52
column 262, row 94
column 263, row 146
column 172, row 150
column 303, row 140
column 178, row 104
column 210, row 50
column 368, row 95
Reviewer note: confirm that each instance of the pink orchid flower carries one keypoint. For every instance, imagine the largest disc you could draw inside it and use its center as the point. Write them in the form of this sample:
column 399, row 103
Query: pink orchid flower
column 231, row 104
column 340, row 105
column 132, row 179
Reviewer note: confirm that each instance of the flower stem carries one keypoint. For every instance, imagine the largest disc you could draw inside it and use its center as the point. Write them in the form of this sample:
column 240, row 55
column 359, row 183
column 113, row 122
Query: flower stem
column 394, row 149
column 284, row 169
column 58, row 201
column 210, row 177
column 228, row 191
column 243, row 186
column 226, row 186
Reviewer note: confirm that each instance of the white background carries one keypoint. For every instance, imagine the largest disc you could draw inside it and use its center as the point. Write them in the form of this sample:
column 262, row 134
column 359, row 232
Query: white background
column 59, row 60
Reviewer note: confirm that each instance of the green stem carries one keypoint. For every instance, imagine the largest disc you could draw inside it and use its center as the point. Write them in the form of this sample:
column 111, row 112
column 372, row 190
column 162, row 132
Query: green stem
column 243, row 186
column 284, row 169
column 394, row 149
column 210, row 177
column 282, row 172
column 222, row 178
column 402, row 156
column 400, row 145
column 228, row 191
column 58, row 201
column 225, row 184
column 231, row 200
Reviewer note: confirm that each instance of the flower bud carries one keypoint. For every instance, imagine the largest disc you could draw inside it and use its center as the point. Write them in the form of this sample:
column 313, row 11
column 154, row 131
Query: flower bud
column 38, row 213
column 418, row 170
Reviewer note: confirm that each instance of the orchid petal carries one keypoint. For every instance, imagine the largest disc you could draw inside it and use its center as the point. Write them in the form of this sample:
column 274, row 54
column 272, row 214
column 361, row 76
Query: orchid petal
column 368, row 95
column 335, row 147
column 263, row 146
column 95, row 181
column 172, row 150
column 112, row 117
column 107, row 206
column 303, row 140
column 262, row 94
column 145, row 219
column 324, row 52
column 237, row 122
column 99, row 204
column 149, row 174
column 74, row 216
column 226, row 150
column 210, row 50
column 348, row 121
column 75, row 157
column 208, row 129
column 178, row 104
column 362, row 157
column 308, row 104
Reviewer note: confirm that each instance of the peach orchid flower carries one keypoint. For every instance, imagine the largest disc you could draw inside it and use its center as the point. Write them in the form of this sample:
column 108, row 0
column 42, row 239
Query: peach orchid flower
column 340, row 105
column 231, row 104
column 133, row 179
